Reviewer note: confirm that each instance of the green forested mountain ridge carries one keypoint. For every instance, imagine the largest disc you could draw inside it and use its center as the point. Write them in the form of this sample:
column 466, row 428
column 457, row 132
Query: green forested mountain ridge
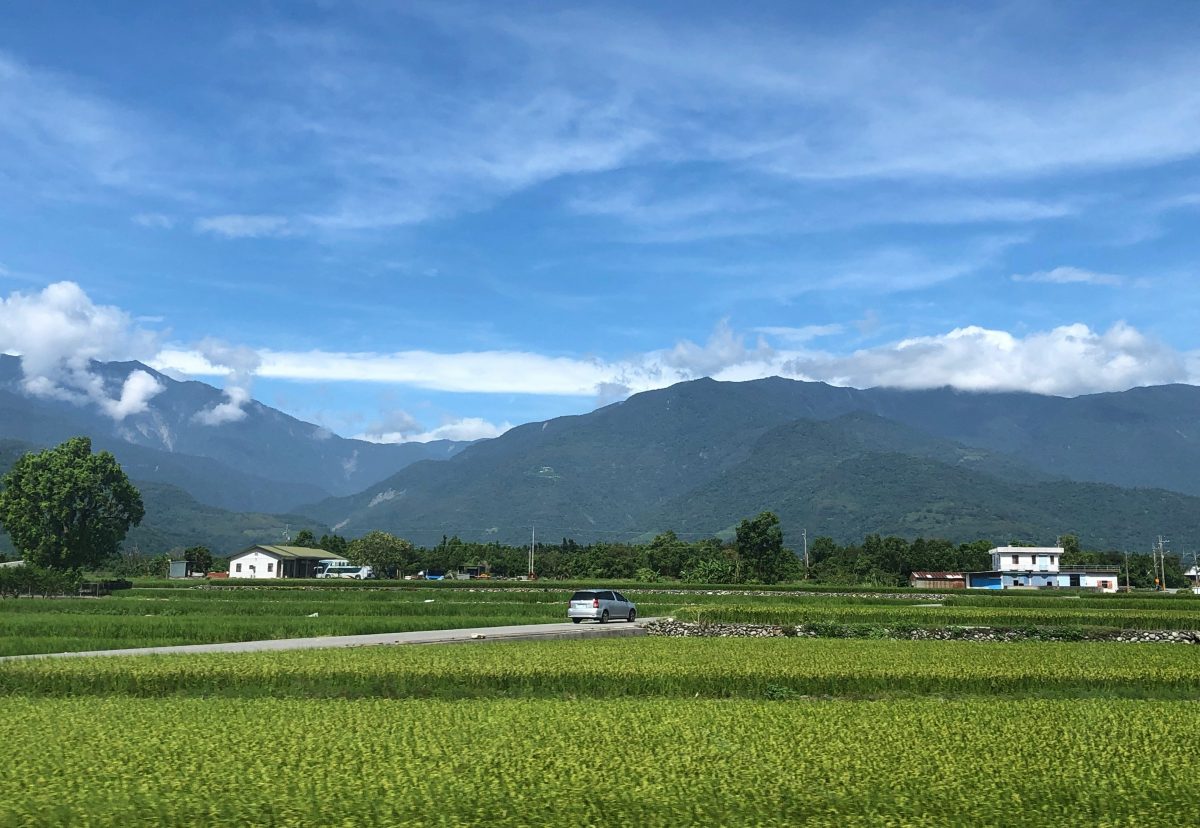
column 701, row 455
column 697, row 456
column 174, row 518
column 826, row 479
column 266, row 461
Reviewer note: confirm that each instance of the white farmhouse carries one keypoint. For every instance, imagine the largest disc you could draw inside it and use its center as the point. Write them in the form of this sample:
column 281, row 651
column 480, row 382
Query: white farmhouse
column 269, row 561
column 1034, row 567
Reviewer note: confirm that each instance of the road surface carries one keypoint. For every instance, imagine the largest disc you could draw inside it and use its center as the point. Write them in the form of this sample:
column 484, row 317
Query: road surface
column 521, row 632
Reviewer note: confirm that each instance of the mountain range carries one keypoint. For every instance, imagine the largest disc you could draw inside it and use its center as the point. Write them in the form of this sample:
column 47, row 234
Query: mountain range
column 698, row 456
column 266, row 461
column 1114, row 468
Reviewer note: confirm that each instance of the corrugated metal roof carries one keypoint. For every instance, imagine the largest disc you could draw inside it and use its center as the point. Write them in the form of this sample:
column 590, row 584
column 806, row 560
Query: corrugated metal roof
column 295, row 552
column 937, row 576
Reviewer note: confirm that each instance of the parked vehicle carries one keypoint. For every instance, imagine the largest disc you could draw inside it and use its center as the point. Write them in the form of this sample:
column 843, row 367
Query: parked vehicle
column 326, row 563
column 600, row 605
column 346, row 570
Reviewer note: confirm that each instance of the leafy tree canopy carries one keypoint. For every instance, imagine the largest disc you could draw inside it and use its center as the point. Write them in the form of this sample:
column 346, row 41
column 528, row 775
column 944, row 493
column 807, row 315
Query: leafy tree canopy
column 760, row 546
column 304, row 537
column 66, row 507
column 383, row 552
column 200, row 557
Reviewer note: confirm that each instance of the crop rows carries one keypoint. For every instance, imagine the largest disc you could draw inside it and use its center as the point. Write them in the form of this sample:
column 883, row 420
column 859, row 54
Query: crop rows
column 935, row 615
column 680, row 668
column 149, row 617
column 645, row 762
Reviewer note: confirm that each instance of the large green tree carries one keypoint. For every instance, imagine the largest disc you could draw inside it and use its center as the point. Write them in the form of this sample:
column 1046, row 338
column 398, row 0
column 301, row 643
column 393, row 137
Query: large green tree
column 66, row 507
column 200, row 557
column 385, row 553
column 760, row 547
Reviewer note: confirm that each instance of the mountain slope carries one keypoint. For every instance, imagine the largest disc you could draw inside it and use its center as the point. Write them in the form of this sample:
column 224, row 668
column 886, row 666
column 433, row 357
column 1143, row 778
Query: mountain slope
column 265, row 461
column 824, row 477
column 701, row 455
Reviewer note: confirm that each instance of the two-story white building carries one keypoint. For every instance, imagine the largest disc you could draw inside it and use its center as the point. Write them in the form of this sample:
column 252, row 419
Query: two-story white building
column 1039, row 567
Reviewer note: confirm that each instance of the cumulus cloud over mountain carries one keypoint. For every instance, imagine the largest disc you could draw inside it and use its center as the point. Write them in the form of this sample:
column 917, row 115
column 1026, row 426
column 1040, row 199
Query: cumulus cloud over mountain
column 59, row 331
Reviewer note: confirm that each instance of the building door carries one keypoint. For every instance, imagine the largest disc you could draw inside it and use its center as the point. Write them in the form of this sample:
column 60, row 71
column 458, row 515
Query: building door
column 1074, row 580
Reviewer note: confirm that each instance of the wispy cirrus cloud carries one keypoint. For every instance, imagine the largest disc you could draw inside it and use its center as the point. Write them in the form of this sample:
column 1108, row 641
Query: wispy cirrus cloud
column 538, row 96
column 801, row 334
column 1066, row 275
column 238, row 226
column 154, row 221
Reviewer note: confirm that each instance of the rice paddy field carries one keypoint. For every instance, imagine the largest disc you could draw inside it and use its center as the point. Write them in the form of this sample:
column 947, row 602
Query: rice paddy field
column 153, row 616
column 631, row 731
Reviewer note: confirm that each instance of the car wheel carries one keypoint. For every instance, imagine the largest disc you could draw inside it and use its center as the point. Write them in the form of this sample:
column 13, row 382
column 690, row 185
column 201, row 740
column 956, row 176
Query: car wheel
column 576, row 620
column 604, row 617
column 632, row 615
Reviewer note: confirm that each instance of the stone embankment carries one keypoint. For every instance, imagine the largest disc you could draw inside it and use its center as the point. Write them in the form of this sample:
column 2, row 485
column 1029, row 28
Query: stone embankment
column 681, row 629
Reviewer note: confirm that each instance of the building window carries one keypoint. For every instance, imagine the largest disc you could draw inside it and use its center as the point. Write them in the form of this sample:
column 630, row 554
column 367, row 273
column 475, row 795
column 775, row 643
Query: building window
column 1016, row 559
column 270, row 567
column 238, row 569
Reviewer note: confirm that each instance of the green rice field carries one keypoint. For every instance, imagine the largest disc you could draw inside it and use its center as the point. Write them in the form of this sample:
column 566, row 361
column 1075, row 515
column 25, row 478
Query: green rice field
column 153, row 616
column 643, row 762
column 648, row 732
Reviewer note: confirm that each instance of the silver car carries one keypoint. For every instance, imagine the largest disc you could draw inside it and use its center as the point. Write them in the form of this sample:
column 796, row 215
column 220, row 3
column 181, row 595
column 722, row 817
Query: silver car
column 600, row 605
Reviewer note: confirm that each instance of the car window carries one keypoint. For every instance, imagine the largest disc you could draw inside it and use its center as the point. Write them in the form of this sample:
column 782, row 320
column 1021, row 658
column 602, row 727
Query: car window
column 606, row 595
column 621, row 598
column 584, row 596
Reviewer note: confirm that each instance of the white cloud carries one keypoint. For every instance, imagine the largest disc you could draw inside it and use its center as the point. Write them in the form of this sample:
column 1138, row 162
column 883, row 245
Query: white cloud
column 516, row 372
column 245, row 226
column 1070, row 276
column 611, row 392
column 801, row 334
column 724, row 349
column 239, row 364
column 154, row 221
column 1068, row 360
column 466, row 428
column 59, row 331
column 395, row 422
column 139, row 388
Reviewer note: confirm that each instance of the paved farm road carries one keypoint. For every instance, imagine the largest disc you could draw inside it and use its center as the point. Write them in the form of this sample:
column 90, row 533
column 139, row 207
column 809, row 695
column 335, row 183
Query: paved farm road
column 520, row 632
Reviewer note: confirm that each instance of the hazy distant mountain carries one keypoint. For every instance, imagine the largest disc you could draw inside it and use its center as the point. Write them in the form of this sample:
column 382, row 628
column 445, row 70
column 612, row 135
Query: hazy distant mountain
column 174, row 518
column 699, row 456
column 267, row 461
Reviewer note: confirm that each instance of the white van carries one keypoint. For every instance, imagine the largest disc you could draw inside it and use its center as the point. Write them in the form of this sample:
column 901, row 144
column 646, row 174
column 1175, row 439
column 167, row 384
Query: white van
column 346, row 570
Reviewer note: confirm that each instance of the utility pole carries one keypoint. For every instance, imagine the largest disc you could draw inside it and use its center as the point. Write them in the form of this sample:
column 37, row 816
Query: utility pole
column 1127, row 570
column 804, row 534
column 532, row 546
column 1160, row 571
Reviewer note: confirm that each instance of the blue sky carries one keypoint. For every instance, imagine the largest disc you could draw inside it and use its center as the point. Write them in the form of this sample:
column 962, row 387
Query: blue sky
column 407, row 220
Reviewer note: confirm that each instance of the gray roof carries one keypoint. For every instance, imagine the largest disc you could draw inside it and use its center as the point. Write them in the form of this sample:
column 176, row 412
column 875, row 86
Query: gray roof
column 291, row 552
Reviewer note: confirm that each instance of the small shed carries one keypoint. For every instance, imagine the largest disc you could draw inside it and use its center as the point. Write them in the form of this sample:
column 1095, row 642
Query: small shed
column 922, row 579
column 271, row 561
